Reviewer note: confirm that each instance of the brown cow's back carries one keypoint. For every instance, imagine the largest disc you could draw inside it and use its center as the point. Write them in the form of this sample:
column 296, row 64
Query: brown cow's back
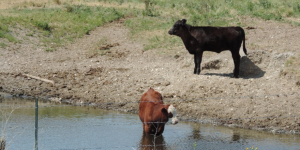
column 152, row 96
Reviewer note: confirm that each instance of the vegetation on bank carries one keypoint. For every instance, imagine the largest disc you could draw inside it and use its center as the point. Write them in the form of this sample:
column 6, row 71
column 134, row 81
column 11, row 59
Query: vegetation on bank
column 57, row 25
column 59, row 21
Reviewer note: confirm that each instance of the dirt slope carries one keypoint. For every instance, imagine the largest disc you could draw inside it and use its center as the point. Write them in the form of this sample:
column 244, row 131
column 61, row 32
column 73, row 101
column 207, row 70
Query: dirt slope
column 109, row 70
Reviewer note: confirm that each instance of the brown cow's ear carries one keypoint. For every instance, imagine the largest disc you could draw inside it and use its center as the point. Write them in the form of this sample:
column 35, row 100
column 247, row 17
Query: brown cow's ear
column 164, row 110
column 170, row 115
column 183, row 21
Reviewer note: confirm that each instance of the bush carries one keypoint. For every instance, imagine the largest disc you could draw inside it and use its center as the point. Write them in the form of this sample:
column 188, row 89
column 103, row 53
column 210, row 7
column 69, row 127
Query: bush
column 43, row 25
column 250, row 6
column 296, row 7
column 265, row 3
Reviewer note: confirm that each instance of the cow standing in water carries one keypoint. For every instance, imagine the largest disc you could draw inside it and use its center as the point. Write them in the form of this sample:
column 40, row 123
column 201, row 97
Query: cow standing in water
column 217, row 39
column 154, row 114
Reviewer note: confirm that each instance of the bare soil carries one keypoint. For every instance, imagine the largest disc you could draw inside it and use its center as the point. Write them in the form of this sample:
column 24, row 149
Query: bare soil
column 115, row 73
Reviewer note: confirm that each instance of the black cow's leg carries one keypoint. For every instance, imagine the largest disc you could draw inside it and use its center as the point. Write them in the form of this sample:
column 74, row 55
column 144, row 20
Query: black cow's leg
column 197, row 59
column 236, row 59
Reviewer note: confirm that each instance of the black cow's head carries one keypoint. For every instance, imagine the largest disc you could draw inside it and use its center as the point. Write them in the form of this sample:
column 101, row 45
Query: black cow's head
column 175, row 30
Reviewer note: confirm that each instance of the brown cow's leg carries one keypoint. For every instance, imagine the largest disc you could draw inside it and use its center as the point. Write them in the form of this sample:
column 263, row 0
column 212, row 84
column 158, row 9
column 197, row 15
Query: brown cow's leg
column 161, row 129
column 144, row 127
column 147, row 128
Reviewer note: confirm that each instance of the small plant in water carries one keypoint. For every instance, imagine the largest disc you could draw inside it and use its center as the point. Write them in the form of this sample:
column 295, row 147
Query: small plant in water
column 251, row 148
column 195, row 145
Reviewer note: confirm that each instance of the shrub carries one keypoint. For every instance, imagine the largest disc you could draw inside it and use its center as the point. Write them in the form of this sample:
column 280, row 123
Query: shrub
column 43, row 25
column 250, row 6
column 265, row 3
column 57, row 2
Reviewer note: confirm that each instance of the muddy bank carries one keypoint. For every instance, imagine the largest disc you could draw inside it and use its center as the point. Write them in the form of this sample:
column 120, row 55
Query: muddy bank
column 116, row 74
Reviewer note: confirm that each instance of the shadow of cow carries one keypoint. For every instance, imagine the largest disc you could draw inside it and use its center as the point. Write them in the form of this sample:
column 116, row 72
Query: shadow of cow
column 248, row 70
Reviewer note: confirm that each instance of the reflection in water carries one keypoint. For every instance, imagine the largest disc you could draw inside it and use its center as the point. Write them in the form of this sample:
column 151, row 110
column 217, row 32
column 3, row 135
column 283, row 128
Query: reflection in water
column 150, row 142
column 196, row 134
column 235, row 137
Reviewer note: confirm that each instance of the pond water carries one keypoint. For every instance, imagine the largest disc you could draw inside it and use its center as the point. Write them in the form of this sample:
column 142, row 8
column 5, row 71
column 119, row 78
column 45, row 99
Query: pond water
column 78, row 127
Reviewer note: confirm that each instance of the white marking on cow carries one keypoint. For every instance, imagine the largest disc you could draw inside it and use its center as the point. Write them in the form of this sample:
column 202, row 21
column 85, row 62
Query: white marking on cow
column 173, row 111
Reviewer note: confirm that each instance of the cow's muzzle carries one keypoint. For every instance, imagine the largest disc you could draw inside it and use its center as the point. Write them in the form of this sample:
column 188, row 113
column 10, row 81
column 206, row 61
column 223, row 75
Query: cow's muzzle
column 171, row 32
column 174, row 120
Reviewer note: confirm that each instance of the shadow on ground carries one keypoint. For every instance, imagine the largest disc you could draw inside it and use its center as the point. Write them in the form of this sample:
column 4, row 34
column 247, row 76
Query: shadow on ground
column 247, row 70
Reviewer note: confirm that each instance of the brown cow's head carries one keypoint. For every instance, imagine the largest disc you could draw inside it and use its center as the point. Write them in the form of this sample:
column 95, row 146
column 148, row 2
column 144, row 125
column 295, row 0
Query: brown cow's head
column 175, row 30
column 172, row 113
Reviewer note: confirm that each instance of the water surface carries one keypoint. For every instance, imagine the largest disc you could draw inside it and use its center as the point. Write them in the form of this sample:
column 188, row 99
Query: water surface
column 78, row 127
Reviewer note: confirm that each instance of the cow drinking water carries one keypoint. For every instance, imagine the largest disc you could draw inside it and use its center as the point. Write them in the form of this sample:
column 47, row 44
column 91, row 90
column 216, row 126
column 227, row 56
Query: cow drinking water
column 217, row 39
column 154, row 114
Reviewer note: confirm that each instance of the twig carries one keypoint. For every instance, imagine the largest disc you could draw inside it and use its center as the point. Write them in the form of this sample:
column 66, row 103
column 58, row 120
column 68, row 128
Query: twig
column 38, row 78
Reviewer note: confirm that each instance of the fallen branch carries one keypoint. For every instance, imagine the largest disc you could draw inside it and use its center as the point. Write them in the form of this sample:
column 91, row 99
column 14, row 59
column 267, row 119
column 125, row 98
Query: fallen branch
column 38, row 78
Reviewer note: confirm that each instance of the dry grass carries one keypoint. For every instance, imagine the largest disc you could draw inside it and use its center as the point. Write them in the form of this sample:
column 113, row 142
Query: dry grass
column 8, row 4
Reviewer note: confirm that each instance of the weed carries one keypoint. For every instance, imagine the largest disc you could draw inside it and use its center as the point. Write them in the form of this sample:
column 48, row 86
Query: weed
column 2, row 35
column 58, row 2
column 3, row 45
column 120, row 2
column 195, row 145
column 69, row 8
column 250, row 5
column 150, row 8
column 49, row 49
column 292, row 66
column 30, row 34
column 296, row 6
column 42, row 25
column 102, row 41
column 5, row 32
column 265, row 3
column 251, row 148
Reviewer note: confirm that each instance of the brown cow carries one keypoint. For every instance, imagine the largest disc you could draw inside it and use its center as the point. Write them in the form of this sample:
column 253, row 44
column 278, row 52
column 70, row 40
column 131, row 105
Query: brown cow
column 217, row 39
column 154, row 114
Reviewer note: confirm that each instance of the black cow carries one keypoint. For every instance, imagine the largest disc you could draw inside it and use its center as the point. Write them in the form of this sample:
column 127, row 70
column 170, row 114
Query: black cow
column 217, row 39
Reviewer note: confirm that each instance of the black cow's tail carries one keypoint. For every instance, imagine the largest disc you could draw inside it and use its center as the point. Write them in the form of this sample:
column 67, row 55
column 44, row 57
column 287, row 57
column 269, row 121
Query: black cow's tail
column 244, row 44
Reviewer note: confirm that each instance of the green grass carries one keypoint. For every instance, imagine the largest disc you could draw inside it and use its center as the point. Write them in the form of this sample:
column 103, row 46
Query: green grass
column 5, row 32
column 204, row 13
column 57, row 26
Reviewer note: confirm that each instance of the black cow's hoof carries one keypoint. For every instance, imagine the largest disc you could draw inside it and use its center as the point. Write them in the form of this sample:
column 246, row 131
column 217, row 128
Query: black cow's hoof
column 236, row 76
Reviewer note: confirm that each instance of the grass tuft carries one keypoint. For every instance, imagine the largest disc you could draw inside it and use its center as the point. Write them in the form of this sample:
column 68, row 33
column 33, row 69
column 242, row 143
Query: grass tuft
column 42, row 25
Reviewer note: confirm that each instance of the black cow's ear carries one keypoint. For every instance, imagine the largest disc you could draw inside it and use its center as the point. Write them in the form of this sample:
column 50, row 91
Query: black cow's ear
column 183, row 21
